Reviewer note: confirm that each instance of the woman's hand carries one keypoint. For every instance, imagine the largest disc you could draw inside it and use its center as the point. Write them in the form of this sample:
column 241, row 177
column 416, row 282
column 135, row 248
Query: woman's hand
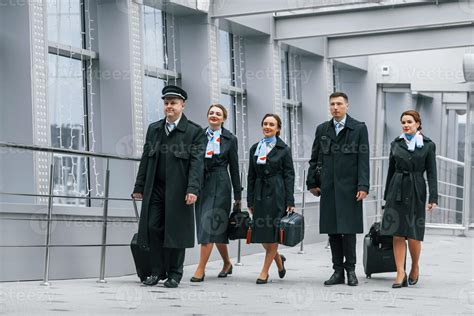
column 290, row 209
column 315, row 191
column 251, row 210
column 190, row 198
column 431, row 206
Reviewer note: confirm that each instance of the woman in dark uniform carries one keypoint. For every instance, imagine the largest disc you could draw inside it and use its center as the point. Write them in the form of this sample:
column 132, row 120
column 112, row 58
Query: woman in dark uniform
column 271, row 180
column 411, row 154
column 212, row 210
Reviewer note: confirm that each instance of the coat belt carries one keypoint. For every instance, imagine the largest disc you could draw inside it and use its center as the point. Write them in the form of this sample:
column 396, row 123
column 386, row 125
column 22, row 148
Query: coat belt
column 216, row 169
column 259, row 182
column 399, row 174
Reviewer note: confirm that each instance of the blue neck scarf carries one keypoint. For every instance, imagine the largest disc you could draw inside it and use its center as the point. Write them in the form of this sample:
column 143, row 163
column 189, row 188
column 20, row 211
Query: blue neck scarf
column 214, row 142
column 413, row 140
column 263, row 148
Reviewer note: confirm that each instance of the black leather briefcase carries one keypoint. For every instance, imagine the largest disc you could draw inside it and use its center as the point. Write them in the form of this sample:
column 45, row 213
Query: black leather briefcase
column 291, row 229
column 239, row 223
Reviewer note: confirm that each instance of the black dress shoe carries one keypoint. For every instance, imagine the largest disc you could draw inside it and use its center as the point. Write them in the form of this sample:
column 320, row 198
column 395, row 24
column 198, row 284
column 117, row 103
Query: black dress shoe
column 223, row 274
column 262, row 281
column 400, row 285
column 336, row 278
column 194, row 279
column 171, row 283
column 282, row 272
column 352, row 278
column 160, row 277
column 152, row 280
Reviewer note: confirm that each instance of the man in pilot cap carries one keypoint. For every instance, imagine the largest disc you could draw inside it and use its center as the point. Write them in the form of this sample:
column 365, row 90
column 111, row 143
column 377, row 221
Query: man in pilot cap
column 169, row 180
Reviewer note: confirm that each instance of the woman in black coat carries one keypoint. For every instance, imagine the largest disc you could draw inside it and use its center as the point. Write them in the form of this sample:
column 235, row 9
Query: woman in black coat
column 411, row 155
column 212, row 210
column 271, row 180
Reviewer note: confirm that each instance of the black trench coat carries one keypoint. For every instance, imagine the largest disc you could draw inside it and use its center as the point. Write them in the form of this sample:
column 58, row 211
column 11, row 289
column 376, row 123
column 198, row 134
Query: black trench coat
column 344, row 172
column 270, row 191
column 184, row 172
column 213, row 208
column 405, row 189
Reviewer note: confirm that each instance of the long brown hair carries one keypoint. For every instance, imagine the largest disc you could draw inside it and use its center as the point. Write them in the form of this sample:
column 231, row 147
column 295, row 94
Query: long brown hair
column 276, row 117
column 415, row 115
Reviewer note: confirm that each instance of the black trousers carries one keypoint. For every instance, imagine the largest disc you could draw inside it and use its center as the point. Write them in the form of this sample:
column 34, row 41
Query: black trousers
column 166, row 262
column 343, row 246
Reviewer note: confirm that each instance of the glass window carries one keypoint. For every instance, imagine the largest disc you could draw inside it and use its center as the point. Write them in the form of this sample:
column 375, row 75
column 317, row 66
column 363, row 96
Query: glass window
column 228, row 102
column 64, row 22
column 154, row 37
column 66, row 99
column 66, row 110
column 152, row 102
column 225, row 58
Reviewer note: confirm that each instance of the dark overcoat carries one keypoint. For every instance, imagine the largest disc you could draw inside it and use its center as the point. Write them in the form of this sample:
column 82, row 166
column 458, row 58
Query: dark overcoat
column 213, row 208
column 184, row 156
column 405, row 190
column 344, row 171
column 270, row 190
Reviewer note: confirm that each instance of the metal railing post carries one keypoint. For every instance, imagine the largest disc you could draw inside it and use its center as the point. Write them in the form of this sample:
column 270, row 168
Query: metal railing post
column 466, row 216
column 104, row 226
column 379, row 175
column 239, row 244
column 303, row 205
column 48, row 226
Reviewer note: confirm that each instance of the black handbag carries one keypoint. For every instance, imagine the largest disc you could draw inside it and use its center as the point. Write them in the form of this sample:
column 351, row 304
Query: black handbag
column 379, row 240
column 291, row 229
column 239, row 223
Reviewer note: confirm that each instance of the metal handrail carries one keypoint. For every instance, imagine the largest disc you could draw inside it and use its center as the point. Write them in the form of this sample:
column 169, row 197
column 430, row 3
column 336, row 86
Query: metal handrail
column 66, row 196
column 66, row 151
column 50, row 197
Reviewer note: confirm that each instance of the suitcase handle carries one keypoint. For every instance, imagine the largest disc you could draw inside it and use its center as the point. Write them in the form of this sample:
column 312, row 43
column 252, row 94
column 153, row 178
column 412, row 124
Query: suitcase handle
column 135, row 208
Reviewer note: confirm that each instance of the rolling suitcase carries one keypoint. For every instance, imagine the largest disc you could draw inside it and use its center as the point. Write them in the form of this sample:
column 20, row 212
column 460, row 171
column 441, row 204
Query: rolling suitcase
column 141, row 256
column 291, row 229
column 378, row 252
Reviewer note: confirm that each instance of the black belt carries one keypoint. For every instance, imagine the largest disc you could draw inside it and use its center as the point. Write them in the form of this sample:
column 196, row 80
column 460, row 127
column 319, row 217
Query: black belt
column 216, row 169
column 259, row 184
column 400, row 174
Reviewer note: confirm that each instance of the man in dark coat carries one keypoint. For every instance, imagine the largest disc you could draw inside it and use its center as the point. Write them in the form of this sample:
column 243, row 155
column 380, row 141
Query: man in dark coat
column 169, row 180
column 339, row 173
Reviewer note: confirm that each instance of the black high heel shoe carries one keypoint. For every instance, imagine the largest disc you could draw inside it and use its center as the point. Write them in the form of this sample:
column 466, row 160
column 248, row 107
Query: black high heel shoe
column 282, row 272
column 400, row 285
column 413, row 281
column 223, row 274
column 262, row 281
column 201, row 279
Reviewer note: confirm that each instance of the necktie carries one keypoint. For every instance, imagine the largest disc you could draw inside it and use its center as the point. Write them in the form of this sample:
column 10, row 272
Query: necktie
column 339, row 127
column 169, row 127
